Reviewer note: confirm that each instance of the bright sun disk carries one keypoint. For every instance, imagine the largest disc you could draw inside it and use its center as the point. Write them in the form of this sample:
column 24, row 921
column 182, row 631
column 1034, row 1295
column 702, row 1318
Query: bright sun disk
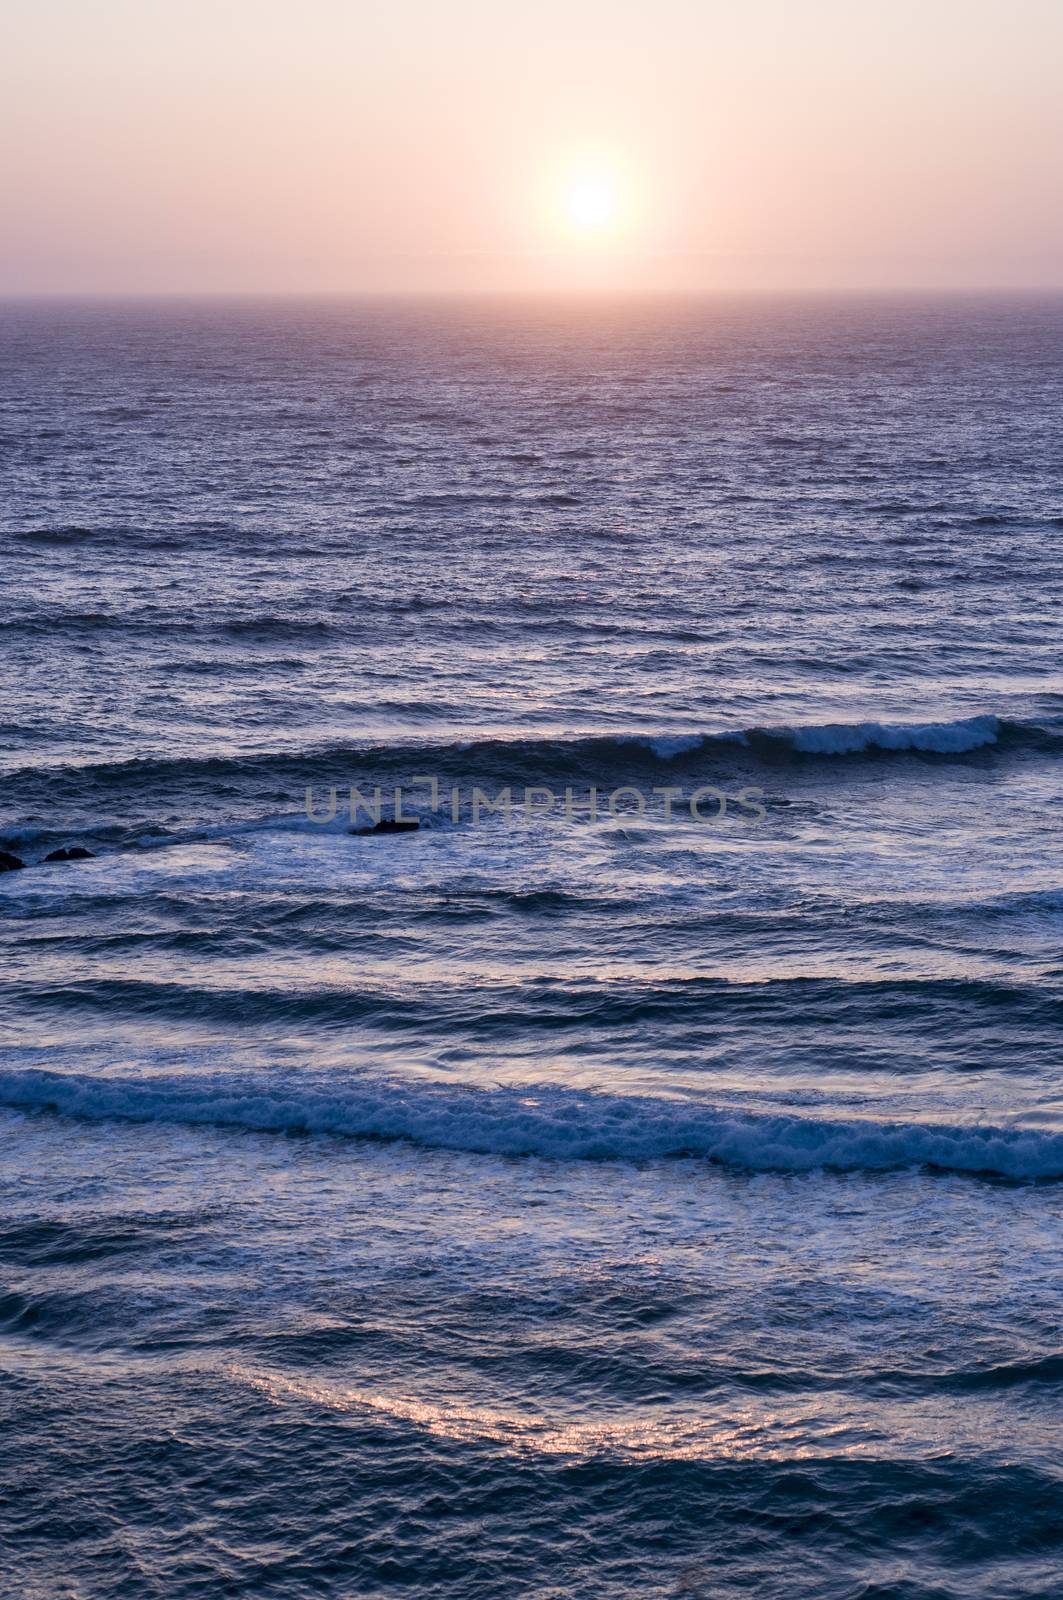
column 591, row 202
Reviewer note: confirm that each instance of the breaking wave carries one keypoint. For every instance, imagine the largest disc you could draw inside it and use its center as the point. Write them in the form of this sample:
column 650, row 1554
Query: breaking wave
column 575, row 756
column 559, row 1124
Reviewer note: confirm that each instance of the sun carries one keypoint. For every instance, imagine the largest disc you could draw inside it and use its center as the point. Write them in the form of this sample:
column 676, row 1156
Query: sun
column 590, row 202
column 589, row 205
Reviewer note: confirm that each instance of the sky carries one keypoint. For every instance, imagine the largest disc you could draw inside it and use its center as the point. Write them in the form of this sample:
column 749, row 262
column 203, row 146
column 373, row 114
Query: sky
column 265, row 146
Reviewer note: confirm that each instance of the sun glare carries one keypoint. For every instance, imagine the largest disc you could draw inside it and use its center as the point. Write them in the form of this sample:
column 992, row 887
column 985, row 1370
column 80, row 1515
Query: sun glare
column 591, row 202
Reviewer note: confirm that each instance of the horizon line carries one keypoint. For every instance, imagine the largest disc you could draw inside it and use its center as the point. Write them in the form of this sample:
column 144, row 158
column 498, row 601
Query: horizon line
column 545, row 292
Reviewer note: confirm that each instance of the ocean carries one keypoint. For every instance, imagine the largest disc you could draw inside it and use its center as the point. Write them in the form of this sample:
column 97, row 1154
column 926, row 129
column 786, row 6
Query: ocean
column 643, row 1178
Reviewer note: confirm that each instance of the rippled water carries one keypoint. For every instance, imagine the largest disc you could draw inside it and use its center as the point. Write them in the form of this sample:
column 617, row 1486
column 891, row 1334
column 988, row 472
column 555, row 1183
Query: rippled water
column 637, row 1204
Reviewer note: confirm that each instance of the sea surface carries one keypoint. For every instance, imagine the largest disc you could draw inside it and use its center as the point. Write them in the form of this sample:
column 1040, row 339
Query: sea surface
column 627, row 1203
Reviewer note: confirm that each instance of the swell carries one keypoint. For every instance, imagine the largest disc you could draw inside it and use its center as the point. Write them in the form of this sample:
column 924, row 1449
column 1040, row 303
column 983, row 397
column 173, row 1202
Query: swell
column 559, row 1124
column 250, row 629
column 497, row 1010
column 567, row 758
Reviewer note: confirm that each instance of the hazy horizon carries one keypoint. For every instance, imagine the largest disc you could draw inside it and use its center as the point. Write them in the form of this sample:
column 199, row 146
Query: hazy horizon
column 548, row 295
column 245, row 149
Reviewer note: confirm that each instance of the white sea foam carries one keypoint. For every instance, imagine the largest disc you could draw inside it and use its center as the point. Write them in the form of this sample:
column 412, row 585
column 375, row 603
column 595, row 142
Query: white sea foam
column 550, row 1122
column 667, row 746
column 945, row 738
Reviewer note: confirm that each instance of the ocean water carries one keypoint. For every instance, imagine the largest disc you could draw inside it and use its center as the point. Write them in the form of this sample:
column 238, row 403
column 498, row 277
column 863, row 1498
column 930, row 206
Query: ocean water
column 546, row 1204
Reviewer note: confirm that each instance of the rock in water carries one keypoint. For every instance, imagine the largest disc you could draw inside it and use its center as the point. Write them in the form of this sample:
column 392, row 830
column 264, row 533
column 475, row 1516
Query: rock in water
column 388, row 827
column 77, row 852
column 9, row 863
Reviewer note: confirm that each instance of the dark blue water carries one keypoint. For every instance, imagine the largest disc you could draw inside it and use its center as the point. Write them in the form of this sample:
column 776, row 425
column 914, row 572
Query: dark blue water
column 634, row 1200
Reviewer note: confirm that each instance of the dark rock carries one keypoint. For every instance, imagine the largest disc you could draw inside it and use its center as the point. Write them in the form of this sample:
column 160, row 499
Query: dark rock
column 77, row 852
column 9, row 863
column 386, row 826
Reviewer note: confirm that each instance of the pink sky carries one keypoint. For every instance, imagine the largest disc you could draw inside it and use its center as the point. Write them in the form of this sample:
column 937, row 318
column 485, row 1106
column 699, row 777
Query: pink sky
column 332, row 145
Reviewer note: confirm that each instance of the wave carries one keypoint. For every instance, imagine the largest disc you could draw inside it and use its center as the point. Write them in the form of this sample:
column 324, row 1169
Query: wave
column 937, row 738
column 498, row 1008
column 561, row 1124
column 59, row 535
column 573, row 757
column 264, row 627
